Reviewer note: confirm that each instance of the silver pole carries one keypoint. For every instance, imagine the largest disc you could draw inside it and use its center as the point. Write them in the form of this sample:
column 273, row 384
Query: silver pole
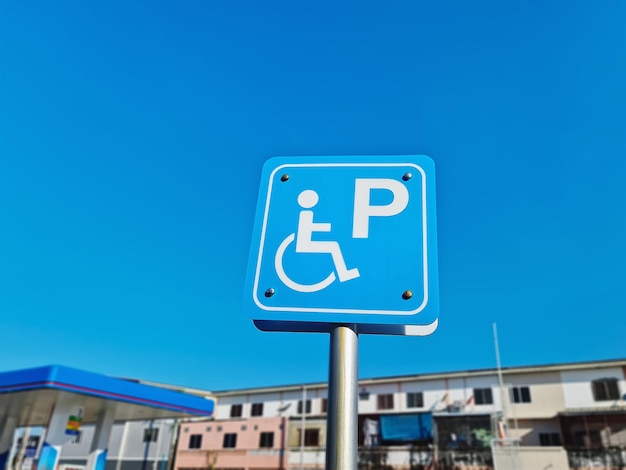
column 21, row 452
column 120, row 457
column 303, row 427
column 341, row 437
column 160, row 437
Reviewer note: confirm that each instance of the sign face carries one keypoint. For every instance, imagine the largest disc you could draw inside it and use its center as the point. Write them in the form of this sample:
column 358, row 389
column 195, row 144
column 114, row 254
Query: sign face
column 32, row 444
column 73, row 423
column 348, row 240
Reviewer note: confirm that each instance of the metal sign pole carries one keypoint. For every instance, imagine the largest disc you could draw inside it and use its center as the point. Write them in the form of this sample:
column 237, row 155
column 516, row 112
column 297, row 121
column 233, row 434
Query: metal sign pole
column 342, row 434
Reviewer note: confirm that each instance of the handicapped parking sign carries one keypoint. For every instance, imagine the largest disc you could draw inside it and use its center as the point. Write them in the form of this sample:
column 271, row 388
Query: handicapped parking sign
column 345, row 240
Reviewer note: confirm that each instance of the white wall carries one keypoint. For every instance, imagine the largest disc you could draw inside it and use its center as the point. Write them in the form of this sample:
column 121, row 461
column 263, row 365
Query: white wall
column 433, row 391
column 577, row 386
column 80, row 450
column 437, row 394
column 272, row 403
column 528, row 430
column 133, row 449
column 535, row 458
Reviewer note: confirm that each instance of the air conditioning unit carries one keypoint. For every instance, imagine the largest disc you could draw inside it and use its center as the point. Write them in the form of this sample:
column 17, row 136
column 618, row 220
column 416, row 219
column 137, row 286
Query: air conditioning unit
column 456, row 407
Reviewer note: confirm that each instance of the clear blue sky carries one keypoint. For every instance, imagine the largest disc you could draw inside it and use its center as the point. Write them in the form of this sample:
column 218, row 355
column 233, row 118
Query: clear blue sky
column 132, row 136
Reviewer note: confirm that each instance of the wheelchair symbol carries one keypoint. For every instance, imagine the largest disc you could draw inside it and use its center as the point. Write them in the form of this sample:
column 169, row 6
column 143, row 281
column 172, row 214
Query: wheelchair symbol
column 363, row 211
column 307, row 199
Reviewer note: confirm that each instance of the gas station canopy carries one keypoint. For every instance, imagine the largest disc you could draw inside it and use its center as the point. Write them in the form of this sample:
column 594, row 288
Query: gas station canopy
column 30, row 396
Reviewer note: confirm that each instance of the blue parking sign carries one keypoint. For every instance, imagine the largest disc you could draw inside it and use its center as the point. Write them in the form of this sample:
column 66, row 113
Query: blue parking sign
column 345, row 240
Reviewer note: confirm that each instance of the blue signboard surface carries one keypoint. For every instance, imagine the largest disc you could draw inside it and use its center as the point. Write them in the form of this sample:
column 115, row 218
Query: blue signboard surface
column 348, row 240
column 411, row 427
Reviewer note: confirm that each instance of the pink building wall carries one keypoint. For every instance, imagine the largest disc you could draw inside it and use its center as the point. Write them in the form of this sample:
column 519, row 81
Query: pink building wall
column 246, row 455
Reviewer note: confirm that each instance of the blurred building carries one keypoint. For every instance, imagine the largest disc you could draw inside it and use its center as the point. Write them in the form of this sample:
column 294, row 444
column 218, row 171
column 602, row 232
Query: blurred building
column 551, row 416
column 562, row 416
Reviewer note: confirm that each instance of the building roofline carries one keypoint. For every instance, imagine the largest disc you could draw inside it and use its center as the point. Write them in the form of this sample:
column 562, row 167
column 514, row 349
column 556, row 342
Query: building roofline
column 174, row 388
column 543, row 368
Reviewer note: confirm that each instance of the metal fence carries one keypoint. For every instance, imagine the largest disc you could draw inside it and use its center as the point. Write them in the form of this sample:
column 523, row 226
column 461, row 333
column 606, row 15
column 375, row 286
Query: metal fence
column 606, row 458
column 424, row 458
column 506, row 454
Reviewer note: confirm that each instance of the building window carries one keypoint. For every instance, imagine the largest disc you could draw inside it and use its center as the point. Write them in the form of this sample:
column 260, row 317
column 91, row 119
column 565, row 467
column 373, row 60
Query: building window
column 605, row 389
column 219, row 429
column 208, row 429
column 385, row 402
column 549, row 439
column 307, row 408
column 235, row 411
column 483, row 396
column 150, row 434
column 267, row 440
column 311, row 437
column 257, row 409
column 415, row 400
column 195, row 441
column 244, row 427
column 324, row 405
column 520, row 394
column 230, row 440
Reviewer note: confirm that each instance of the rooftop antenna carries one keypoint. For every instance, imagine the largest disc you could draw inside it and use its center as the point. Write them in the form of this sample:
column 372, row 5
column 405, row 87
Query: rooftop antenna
column 500, row 380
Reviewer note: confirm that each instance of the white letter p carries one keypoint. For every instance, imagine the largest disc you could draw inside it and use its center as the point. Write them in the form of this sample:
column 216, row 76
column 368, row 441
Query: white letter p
column 362, row 208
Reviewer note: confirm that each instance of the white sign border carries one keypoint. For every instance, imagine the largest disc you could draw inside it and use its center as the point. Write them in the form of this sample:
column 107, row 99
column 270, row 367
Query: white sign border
column 342, row 310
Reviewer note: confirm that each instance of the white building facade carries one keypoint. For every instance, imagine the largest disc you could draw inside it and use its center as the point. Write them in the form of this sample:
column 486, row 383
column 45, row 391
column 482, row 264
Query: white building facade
column 562, row 416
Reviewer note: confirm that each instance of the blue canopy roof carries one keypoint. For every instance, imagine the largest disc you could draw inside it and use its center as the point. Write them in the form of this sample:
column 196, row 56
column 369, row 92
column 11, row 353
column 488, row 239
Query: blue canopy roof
column 37, row 389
